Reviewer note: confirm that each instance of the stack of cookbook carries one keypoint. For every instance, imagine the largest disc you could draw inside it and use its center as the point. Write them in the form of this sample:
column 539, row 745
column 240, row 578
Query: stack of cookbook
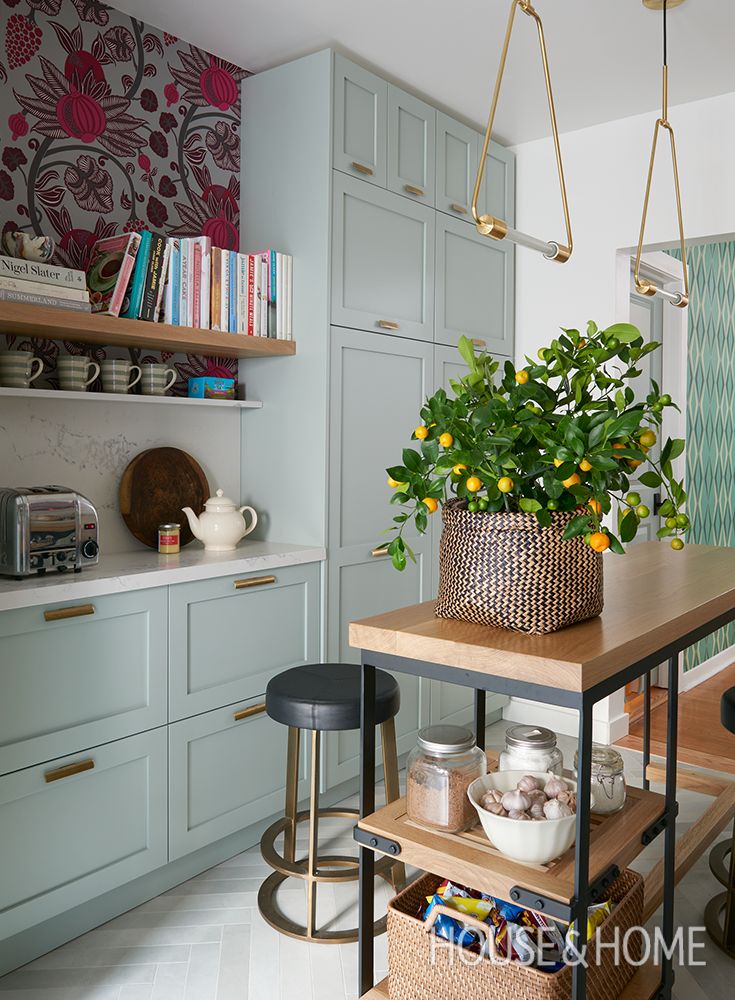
column 42, row 284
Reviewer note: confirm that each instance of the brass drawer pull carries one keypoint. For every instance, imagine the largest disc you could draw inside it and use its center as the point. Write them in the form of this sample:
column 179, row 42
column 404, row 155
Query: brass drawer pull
column 254, row 581
column 362, row 169
column 478, row 342
column 456, row 207
column 382, row 550
column 412, row 189
column 77, row 611
column 387, row 324
column 247, row 713
column 68, row 769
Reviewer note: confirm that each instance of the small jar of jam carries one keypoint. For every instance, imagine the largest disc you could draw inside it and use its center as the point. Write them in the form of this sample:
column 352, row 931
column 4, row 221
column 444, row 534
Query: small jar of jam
column 169, row 538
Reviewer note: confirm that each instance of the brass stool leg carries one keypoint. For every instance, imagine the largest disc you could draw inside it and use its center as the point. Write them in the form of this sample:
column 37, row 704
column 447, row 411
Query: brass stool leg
column 392, row 787
column 313, row 835
column 292, row 793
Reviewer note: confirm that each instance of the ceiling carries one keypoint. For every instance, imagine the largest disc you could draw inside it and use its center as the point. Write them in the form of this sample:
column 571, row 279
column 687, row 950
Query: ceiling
column 604, row 54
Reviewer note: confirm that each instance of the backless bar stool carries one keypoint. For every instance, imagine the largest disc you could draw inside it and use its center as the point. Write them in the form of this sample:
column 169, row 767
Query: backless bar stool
column 719, row 914
column 320, row 698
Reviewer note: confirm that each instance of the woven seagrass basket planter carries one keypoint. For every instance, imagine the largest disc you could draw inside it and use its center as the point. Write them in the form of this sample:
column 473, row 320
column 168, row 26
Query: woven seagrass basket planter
column 421, row 967
column 506, row 571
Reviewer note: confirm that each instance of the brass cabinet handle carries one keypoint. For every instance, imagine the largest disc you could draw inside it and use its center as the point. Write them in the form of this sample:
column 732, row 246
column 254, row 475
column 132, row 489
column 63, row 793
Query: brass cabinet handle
column 362, row 169
column 254, row 581
column 479, row 342
column 68, row 769
column 382, row 550
column 387, row 324
column 412, row 189
column 76, row 611
column 456, row 207
column 247, row 713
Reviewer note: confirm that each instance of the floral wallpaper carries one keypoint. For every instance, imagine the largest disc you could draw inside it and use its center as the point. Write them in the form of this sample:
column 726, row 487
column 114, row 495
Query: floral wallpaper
column 109, row 125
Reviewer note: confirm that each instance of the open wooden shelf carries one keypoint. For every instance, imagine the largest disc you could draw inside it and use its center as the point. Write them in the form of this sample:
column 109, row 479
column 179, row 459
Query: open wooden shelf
column 470, row 858
column 93, row 328
column 62, row 395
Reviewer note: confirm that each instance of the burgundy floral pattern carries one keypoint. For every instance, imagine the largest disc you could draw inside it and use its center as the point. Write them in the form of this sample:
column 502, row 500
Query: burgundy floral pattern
column 108, row 125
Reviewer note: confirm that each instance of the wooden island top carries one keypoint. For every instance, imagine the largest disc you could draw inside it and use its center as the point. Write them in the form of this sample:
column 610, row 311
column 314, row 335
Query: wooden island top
column 654, row 598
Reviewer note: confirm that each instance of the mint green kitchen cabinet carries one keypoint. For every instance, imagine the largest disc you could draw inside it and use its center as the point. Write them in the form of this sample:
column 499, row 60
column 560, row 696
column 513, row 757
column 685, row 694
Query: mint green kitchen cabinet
column 411, row 146
column 456, row 166
column 382, row 261
column 360, row 122
column 67, row 837
column 81, row 673
column 475, row 287
column 498, row 192
column 227, row 772
column 228, row 636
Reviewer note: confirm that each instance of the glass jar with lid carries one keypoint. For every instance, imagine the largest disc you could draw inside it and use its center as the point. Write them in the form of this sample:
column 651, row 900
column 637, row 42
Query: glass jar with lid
column 439, row 771
column 531, row 748
column 608, row 779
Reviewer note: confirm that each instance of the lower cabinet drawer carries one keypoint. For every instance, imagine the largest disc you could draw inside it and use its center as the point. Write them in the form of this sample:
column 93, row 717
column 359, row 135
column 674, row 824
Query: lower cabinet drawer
column 80, row 674
column 76, row 827
column 226, row 773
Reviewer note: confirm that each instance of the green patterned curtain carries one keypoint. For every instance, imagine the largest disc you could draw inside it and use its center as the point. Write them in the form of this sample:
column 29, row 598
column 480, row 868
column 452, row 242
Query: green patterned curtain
column 710, row 454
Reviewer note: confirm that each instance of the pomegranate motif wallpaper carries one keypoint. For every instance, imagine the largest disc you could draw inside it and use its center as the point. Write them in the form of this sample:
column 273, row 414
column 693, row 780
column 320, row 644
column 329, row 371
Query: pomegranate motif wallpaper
column 109, row 125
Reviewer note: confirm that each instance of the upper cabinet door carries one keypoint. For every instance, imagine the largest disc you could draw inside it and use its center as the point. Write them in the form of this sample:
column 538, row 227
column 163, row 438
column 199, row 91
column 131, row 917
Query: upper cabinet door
column 360, row 121
column 456, row 166
column 382, row 261
column 474, row 288
column 498, row 191
column 411, row 146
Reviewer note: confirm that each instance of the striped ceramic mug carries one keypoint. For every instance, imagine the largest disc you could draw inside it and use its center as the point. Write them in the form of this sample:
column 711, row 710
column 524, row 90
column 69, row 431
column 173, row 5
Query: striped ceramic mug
column 18, row 369
column 156, row 379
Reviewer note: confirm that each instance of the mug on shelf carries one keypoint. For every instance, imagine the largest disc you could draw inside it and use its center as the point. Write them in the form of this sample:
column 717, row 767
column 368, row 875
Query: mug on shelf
column 116, row 375
column 18, row 369
column 157, row 379
column 74, row 373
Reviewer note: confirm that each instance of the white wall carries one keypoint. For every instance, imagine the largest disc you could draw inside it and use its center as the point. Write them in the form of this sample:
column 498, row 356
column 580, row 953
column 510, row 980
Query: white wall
column 86, row 445
column 606, row 170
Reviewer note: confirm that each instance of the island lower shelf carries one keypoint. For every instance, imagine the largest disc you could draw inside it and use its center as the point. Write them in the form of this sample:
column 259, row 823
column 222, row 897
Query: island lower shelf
column 470, row 859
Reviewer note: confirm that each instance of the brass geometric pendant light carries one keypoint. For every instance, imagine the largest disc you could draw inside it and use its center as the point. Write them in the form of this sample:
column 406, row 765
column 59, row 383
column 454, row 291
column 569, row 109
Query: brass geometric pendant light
column 645, row 287
column 498, row 229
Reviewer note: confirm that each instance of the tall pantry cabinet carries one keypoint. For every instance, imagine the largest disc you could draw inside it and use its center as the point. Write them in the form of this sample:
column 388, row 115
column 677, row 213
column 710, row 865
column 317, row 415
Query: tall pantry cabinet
column 369, row 188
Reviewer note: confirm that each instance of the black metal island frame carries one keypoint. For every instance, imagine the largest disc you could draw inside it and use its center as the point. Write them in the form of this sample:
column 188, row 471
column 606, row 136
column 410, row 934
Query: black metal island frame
column 657, row 603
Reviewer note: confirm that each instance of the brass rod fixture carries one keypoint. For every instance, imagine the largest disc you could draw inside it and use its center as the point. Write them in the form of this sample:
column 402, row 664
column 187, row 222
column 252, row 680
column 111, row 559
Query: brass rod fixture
column 643, row 285
column 498, row 229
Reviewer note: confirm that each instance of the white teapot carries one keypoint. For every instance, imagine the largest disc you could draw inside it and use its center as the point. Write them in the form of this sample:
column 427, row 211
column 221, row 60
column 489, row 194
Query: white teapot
column 221, row 525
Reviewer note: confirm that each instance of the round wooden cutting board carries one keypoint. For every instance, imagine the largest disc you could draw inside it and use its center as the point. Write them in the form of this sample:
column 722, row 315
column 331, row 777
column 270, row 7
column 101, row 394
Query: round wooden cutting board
column 154, row 488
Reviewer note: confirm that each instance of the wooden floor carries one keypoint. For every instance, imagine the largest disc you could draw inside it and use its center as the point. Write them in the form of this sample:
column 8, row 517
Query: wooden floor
column 703, row 740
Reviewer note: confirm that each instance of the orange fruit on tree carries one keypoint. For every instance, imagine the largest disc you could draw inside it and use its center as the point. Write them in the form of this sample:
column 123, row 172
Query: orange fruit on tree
column 573, row 480
column 458, row 468
column 431, row 504
column 505, row 484
column 393, row 483
column 558, row 462
column 599, row 541
column 595, row 506
column 676, row 544
column 421, row 433
column 584, row 465
column 473, row 484
column 446, row 440
column 648, row 439
column 522, row 376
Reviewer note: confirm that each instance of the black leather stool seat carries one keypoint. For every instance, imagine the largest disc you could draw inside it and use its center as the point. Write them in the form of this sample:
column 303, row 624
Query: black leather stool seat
column 727, row 710
column 326, row 696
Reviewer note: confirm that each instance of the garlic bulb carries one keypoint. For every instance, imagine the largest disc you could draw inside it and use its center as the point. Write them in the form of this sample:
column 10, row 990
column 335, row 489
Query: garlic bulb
column 554, row 809
column 528, row 783
column 517, row 814
column 537, row 796
column 516, row 799
column 492, row 795
column 495, row 808
column 555, row 786
column 537, row 811
column 569, row 799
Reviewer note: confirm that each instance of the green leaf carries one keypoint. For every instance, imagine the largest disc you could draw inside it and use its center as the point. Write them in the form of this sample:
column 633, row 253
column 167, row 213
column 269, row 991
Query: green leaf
column 528, row 505
column 650, row 479
column 677, row 448
column 603, row 463
column 467, row 350
column 666, row 509
column 398, row 472
column 577, row 526
column 598, row 434
column 412, row 460
column 543, row 517
column 615, row 545
column 626, row 333
column 629, row 527
column 430, row 450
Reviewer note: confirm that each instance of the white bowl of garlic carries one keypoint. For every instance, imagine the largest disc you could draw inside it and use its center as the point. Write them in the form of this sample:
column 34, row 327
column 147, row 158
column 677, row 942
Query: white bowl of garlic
column 529, row 816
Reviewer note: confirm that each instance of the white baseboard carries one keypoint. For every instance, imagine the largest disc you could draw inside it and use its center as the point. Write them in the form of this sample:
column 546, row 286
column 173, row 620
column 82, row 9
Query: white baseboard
column 564, row 720
column 703, row 671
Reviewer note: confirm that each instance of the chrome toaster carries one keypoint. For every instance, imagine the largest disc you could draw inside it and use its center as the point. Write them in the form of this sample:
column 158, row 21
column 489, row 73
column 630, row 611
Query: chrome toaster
column 46, row 528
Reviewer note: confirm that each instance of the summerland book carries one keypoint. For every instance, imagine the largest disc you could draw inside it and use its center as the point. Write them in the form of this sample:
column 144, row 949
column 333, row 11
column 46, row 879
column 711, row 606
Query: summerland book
column 32, row 299
column 110, row 268
column 49, row 274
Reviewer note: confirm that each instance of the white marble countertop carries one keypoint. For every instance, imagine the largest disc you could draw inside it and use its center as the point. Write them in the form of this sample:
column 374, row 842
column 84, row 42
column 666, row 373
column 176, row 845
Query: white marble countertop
column 121, row 572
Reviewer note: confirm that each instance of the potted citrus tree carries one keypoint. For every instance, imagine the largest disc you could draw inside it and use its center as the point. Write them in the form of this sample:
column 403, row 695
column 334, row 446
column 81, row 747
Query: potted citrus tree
column 532, row 469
